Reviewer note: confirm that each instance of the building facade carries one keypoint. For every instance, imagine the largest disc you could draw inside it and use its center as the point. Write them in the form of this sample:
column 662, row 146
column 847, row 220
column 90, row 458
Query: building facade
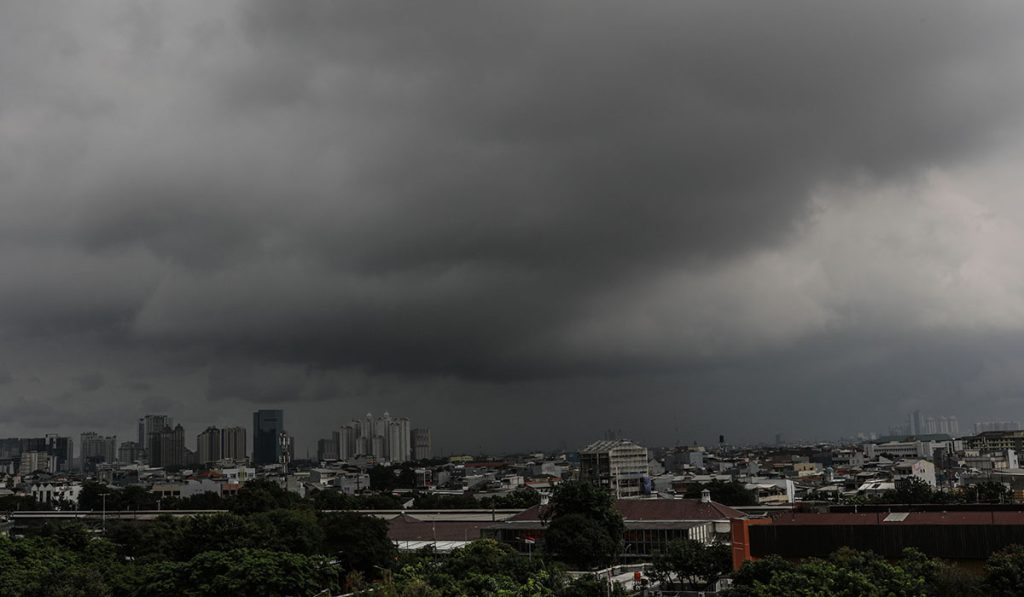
column 97, row 449
column 267, row 426
column 618, row 465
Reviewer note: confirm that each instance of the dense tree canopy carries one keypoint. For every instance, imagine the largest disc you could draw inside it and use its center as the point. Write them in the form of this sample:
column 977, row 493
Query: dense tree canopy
column 698, row 565
column 851, row 573
column 583, row 528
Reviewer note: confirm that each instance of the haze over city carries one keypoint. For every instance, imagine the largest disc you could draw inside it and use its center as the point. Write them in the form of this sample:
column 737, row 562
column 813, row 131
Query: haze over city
column 516, row 224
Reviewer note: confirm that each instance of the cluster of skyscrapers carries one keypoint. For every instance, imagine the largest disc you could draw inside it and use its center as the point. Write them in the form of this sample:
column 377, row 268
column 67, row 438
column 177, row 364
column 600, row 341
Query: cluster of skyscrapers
column 383, row 438
column 161, row 443
column 927, row 425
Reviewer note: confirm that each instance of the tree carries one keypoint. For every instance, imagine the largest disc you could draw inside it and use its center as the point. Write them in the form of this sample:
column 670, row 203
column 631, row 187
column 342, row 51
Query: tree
column 240, row 572
column 521, row 498
column 760, row 571
column 580, row 541
column 699, row 564
column 940, row 578
column 1004, row 573
column 731, row 493
column 909, row 490
column 583, row 527
column 261, row 495
column 357, row 542
column 989, row 492
column 434, row 501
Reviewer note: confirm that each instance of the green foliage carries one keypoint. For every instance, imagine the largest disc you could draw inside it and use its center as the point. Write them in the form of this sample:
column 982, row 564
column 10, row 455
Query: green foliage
column 581, row 542
column 357, row 542
column 239, row 572
column 851, row 573
column 390, row 478
column 262, row 495
column 761, row 571
column 700, row 565
column 10, row 503
column 40, row 566
column 583, row 527
column 336, row 500
column 988, row 492
column 435, row 501
column 484, row 567
column 731, row 493
column 1004, row 573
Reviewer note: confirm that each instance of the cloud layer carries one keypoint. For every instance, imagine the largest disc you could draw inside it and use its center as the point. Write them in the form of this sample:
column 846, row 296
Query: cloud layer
column 350, row 205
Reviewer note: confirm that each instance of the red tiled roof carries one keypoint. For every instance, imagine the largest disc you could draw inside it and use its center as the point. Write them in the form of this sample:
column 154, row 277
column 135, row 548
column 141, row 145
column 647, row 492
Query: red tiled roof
column 658, row 509
column 406, row 528
column 912, row 518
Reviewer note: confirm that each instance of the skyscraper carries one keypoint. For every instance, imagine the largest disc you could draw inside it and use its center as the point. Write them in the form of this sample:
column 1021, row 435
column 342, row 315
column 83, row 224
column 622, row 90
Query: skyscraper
column 421, row 448
column 150, row 424
column 233, row 443
column 96, row 449
column 346, row 438
column 167, row 447
column 398, row 440
column 267, row 426
column 208, row 446
column 61, row 448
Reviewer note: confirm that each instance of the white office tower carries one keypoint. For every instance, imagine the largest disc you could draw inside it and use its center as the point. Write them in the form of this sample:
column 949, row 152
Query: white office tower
column 619, row 465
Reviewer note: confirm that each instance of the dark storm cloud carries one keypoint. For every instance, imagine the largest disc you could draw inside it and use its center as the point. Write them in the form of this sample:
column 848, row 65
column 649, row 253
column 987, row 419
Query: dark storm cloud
column 465, row 180
column 315, row 200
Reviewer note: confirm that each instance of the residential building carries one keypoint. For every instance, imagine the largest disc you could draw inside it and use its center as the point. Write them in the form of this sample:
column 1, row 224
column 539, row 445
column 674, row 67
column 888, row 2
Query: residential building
column 129, row 453
column 208, row 446
column 421, row 448
column 33, row 461
column 97, row 448
column 233, row 444
column 167, row 448
column 327, row 449
column 920, row 469
column 398, row 440
column 150, row 424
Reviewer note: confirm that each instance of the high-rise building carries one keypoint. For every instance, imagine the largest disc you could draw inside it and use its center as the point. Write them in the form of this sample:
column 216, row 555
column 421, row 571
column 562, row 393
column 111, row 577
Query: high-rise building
column 97, row 449
column 421, row 448
column 37, row 460
column 208, row 446
column 327, row 449
column 377, row 447
column 61, row 448
column 619, row 465
column 346, row 440
column 167, row 447
column 150, row 424
column 399, row 437
column 267, row 427
column 233, row 445
column 129, row 453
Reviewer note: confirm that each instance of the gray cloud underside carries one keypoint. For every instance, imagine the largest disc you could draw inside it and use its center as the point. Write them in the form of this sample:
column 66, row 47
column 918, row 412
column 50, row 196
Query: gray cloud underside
column 508, row 193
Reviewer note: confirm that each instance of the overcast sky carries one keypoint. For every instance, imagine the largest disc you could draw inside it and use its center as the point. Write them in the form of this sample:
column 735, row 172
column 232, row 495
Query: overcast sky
column 517, row 223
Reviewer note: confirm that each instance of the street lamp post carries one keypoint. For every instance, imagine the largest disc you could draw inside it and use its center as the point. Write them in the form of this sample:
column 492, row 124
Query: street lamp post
column 103, row 516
